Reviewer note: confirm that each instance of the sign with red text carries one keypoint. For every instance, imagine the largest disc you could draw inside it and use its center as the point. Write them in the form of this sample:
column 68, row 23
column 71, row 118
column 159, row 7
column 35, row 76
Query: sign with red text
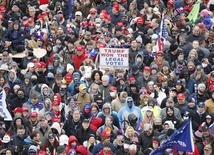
column 114, row 57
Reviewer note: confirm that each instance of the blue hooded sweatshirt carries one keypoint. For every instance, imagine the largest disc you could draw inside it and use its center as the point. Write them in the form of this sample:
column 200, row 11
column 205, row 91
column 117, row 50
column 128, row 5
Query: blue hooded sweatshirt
column 125, row 111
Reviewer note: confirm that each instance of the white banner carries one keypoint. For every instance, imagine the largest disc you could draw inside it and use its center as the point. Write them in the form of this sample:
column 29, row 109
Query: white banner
column 114, row 57
column 3, row 107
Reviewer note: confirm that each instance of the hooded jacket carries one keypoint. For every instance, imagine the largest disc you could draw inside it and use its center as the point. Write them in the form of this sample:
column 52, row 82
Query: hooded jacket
column 14, row 81
column 56, row 126
column 71, row 86
column 71, row 139
column 125, row 111
column 50, row 91
column 102, row 115
column 117, row 104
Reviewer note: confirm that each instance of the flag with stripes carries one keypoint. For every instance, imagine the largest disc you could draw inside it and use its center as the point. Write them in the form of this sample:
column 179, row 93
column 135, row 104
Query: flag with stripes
column 162, row 35
column 181, row 140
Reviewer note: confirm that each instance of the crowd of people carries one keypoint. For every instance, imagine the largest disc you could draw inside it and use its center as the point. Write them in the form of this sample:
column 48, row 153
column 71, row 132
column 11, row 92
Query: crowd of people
column 63, row 103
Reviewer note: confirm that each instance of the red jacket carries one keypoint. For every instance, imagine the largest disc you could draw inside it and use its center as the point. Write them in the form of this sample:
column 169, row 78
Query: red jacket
column 78, row 60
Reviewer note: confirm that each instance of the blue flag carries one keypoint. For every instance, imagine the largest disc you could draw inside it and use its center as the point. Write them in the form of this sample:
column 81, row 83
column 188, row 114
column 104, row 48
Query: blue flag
column 162, row 35
column 181, row 140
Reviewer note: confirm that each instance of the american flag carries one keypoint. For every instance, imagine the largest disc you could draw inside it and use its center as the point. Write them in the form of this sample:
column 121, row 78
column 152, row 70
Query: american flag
column 162, row 35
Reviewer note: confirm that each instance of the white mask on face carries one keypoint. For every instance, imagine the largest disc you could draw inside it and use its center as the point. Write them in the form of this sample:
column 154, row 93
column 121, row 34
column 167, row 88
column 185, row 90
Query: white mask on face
column 37, row 27
column 112, row 94
column 204, row 65
column 126, row 146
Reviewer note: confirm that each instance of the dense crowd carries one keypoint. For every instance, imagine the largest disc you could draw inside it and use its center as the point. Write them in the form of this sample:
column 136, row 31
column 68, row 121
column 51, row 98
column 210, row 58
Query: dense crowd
column 63, row 103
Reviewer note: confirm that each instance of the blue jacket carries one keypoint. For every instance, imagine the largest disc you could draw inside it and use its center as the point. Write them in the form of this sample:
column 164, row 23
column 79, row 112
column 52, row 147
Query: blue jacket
column 16, row 37
column 71, row 86
column 190, row 85
column 125, row 111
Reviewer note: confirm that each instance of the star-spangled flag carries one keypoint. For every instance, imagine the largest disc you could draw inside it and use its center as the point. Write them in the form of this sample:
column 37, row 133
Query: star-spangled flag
column 181, row 140
column 162, row 35
column 70, row 5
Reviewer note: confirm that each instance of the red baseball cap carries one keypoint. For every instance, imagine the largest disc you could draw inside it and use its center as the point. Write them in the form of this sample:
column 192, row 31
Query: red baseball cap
column 116, row 6
column 139, row 20
column 105, row 134
column 79, row 48
column 34, row 114
column 18, row 109
column 180, row 96
column 132, row 79
column 41, row 65
column 112, row 88
column 44, row 13
column 30, row 20
column 24, row 109
column 147, row 68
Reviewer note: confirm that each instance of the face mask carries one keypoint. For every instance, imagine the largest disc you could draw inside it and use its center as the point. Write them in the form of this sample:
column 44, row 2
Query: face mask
column 204, row 65
column 46, row 93
column 34, row 81
column 126, row 146
column 112, row 94
column 62, row 92
column 73, row 145
column 20, row 95
column 129, row 104
column 37, row 27
column 157, row 126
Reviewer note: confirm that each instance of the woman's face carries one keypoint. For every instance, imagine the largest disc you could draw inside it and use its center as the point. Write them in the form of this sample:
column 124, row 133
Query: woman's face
column 2, row 81
column 192, row 55
column 130, row 132
column 8, row 152
column 51, row 140
column 31, row 69
column 97, row 76
column 94, row 90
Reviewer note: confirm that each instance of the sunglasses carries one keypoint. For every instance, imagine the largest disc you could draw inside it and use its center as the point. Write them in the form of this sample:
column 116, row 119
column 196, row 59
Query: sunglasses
column 160, row 55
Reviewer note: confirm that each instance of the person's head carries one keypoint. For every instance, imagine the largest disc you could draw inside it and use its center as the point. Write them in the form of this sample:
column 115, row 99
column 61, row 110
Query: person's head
column 205, row 131
column 170, row 102
column 146, row 71
column 51, row 138
column 35, row 136
column 196, row 30
column 106, row 108
column 55, row 106
column 208, row 149
column 129, row 101
column 107, row 147
column 195, row 44
column 172, row 92
column 20, row 130
column 181, row 98
column 155, row 142
column 43, row 121
column 201, row 107
column 133, row 149
column 108, row 120
column 148, row 129
column 201, row 88
column 130, row 131
column 170, row 111
column 16, row 25
column 82, row 88
column 61, row 150
column 34, row 99
column 76, row 115
column 85, row 124
column 5, row 56
column 105, row 80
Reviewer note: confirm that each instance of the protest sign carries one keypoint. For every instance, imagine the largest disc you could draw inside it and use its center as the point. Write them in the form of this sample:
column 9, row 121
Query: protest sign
column 114, row 57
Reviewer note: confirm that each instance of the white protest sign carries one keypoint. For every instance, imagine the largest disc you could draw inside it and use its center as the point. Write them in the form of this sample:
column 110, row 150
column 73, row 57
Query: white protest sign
column 114, row 57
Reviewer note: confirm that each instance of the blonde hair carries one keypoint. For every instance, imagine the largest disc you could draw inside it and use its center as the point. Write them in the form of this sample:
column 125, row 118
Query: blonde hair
column 195, row 52
column 129, row 128
column 33, row 44
column 94, row 85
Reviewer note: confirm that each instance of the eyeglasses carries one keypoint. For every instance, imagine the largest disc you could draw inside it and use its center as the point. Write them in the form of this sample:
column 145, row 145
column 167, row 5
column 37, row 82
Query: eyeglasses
column 160, row 55
column 129, row 101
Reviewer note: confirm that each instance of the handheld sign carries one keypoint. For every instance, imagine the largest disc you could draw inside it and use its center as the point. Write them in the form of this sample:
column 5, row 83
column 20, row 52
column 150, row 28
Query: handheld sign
column 114, row 57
